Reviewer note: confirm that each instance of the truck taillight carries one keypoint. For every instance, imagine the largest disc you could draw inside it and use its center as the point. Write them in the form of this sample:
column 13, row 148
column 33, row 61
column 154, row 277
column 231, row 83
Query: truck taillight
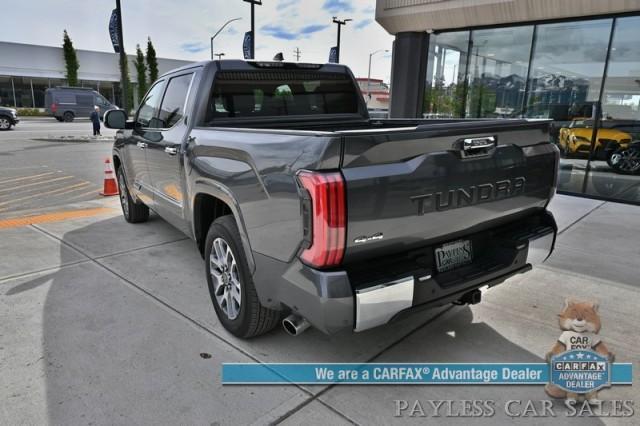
column 54, row 107
column 325, row 218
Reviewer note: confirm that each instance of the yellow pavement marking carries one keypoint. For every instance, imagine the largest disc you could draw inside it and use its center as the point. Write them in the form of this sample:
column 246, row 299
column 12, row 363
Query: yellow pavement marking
column 83, row 184
column 36, row 183
column 17, row 222
column 25, row 177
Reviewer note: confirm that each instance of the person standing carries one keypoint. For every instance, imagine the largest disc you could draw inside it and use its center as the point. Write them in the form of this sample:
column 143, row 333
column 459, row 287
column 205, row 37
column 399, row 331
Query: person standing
column 95, row 119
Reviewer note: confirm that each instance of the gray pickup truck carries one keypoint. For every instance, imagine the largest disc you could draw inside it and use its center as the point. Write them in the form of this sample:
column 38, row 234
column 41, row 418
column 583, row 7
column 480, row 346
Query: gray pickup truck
column 308, row 211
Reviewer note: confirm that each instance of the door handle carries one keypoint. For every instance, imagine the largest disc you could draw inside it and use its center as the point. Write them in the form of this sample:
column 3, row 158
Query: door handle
column 141, row 145
column 171, row 151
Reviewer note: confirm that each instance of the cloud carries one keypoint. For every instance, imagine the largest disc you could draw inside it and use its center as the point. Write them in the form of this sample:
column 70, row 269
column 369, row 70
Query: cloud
column 279, row 31
column 232, row 31
column 194, row 47
column 365, row 22
column 369, row 10
column 283, row 4
column 310, row 29
column 335, row 6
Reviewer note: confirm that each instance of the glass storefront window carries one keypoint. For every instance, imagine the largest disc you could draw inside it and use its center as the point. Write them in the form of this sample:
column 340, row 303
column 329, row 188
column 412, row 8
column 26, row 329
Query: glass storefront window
column 24, row 98
column 6, row 91
column 498, row 71
column 565, row 79
column 446, row 72
column 614, row 170
column 39, row 86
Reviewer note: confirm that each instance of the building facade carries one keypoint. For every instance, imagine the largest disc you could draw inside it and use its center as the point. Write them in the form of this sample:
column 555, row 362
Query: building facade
column 576, row 62
column 375, row 92
column 26, row 71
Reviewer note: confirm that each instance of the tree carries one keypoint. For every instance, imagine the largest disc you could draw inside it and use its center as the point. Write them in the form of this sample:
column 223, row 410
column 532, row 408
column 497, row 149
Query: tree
column 152, row 62
column 141, row 71
column 70, row 59
column 124, row 72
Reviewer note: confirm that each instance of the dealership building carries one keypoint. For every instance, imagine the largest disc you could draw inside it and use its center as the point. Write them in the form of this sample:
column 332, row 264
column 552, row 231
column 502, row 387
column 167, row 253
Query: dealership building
column 559, row 60
column 26, row 71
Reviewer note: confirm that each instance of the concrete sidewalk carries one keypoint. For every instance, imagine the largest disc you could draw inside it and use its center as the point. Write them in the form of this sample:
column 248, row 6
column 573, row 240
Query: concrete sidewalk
column 103, row 322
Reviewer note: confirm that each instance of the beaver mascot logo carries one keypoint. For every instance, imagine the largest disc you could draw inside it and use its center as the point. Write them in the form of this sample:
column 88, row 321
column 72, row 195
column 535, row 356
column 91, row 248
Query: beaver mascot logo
column 580, row 323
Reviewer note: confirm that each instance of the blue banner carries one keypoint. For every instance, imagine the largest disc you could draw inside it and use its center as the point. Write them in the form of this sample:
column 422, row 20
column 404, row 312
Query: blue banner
column 246, row 46
column 432, row 373
column 333, row 55
column 113, row 30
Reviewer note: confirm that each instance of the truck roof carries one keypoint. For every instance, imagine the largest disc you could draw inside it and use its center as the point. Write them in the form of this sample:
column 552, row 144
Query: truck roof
column 242, row 65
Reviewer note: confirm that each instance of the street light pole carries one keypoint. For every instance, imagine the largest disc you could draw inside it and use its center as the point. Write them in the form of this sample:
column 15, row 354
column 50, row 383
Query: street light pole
column 220, row 30
column 253, row 25
column 123, row 60
column 340, row 24
column 219, row 55
column 369, row 76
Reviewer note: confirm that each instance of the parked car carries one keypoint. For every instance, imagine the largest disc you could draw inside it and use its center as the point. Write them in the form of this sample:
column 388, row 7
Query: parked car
column 8, row 118
column 305, row 208
column 576, row 139
column 68, row 103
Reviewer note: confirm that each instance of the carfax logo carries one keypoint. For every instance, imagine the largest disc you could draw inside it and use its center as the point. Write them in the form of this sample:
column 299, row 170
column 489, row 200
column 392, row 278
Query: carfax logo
column 579, row 360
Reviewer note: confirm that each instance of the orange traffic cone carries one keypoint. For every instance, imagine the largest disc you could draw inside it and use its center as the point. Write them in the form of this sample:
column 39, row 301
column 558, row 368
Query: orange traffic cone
column 110, row 183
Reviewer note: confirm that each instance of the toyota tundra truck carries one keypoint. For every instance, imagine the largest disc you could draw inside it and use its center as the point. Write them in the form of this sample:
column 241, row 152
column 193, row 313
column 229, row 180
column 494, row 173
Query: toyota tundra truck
column 307, row 211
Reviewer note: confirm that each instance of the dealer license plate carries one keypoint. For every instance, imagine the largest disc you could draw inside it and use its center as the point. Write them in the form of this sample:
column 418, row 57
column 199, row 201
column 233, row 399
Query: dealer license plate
column 453, row 255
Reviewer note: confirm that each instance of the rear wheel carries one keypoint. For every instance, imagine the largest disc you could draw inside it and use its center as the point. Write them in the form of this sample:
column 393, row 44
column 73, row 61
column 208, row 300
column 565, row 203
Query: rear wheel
column 68, row 117
column 5, row 123
column 626, row 161
column 231, row 286
column 133, row 212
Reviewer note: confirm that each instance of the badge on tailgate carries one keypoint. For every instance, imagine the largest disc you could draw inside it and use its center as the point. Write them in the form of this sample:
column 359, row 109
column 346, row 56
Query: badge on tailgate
column 453, row 255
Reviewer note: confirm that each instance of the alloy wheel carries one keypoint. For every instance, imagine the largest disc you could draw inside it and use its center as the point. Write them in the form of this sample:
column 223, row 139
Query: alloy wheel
column 627, row 161
column 226, row 278
column 124, row 194
column 4, row 123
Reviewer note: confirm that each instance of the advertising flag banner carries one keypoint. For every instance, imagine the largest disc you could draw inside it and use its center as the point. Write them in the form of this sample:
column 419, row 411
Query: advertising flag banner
column 113, row 31
column 246, row 45
column 333, row 54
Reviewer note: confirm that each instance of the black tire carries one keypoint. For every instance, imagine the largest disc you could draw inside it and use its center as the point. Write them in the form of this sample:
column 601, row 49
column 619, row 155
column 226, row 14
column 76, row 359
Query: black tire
column 628, row 169
column 252, row 319
column 133, row 212
column 68, row 117
column 5, row 123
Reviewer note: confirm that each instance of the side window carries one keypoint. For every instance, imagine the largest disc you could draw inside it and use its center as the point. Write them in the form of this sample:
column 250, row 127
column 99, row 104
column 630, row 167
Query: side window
column 149, row 105
column 100, row 101
column 172, row 109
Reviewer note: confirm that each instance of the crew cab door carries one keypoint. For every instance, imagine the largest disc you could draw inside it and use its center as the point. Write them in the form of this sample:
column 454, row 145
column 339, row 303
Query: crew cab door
column 164, row 154
column 144, row 132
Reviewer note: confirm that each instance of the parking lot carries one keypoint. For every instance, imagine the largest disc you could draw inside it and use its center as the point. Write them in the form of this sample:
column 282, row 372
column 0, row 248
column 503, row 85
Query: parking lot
column 104, row 322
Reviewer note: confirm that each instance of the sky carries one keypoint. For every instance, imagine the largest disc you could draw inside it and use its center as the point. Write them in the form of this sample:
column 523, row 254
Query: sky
column 182, row 29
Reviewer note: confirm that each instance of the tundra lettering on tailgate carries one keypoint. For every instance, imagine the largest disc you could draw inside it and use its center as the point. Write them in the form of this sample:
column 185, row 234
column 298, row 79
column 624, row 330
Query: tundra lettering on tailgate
column 461, row 197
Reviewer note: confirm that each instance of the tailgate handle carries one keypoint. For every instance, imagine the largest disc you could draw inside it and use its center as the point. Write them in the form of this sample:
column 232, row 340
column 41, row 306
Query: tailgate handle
column 472, row 144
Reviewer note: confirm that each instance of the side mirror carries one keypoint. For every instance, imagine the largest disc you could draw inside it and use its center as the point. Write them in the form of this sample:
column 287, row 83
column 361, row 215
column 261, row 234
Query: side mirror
column 115, row 119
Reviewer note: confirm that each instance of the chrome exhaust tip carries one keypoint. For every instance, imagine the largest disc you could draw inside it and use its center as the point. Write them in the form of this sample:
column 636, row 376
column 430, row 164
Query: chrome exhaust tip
column 295, row 324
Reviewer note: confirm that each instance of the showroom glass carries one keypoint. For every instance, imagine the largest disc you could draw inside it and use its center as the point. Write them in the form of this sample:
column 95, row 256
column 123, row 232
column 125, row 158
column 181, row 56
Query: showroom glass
column 172, row 109
column 446, row 72
column 620, row 124
column 149, row 106
column 498, row 71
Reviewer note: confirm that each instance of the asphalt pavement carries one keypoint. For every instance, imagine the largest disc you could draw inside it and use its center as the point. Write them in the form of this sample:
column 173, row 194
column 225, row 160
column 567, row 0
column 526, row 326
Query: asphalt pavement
column 38, row 175
column 105, row 322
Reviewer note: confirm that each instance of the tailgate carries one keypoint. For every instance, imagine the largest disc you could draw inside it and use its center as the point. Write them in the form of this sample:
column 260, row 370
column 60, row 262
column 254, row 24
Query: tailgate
column 412, row 187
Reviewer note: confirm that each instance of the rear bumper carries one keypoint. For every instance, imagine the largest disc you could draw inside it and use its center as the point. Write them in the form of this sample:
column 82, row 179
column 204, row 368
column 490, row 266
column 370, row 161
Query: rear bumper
column 337, row 300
